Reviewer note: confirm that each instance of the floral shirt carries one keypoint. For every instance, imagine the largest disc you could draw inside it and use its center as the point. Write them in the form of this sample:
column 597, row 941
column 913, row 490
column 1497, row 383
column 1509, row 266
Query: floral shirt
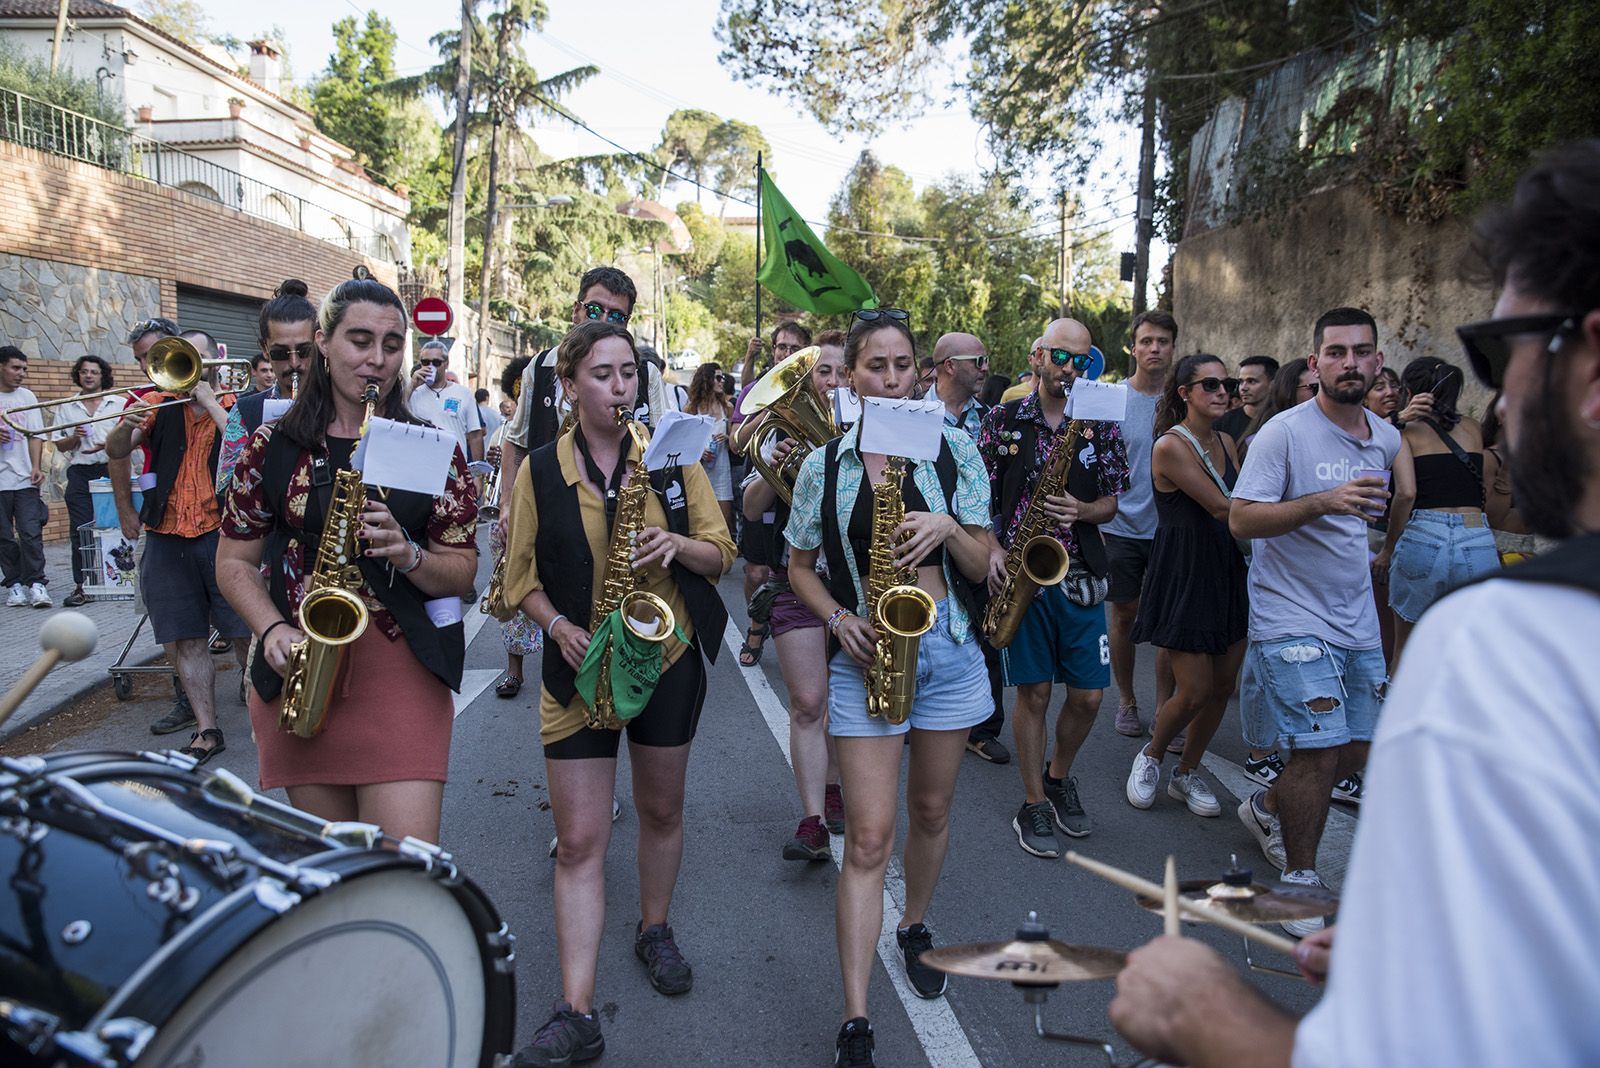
column 998, row 444
column 247, row 515
column 971, row 505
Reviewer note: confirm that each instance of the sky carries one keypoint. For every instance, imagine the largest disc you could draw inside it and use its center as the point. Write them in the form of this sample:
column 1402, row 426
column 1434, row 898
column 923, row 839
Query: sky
column 656, row 57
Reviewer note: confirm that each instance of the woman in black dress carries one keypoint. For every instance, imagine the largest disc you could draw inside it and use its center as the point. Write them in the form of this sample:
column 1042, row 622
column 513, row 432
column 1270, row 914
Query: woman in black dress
column 1194, row 603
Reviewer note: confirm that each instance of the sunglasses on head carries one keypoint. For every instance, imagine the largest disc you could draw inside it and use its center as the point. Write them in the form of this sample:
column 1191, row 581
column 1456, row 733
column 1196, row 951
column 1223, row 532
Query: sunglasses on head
column 145, row 326
column 1213, row 383
column 280, row 353
column 1079, row 360
column 872, row 315
column 600, row 311
column 1488, row 343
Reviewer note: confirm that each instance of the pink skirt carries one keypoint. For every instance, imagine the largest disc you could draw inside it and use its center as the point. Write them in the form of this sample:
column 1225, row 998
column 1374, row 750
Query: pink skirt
column 390, row 721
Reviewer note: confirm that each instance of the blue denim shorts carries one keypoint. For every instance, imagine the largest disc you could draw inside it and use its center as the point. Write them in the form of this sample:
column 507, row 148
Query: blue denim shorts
column 1436, row 553
column 952, row 688
column 1284, row 676
column 1059, row 641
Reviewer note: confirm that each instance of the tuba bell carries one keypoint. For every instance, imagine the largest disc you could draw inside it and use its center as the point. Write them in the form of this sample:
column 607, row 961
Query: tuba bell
column 784, row 401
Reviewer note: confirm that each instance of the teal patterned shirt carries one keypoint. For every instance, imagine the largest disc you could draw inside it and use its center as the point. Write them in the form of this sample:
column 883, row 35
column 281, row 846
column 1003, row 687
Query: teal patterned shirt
column 971, row 505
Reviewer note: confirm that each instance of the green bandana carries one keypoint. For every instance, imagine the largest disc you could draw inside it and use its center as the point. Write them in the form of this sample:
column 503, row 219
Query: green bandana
column 635, row 666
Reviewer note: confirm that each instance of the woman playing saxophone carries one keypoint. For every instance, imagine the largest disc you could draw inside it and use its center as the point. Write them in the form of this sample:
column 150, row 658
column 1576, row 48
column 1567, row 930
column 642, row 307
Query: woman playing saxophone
column 941, row 539
column 383, row 755
column 577, row 504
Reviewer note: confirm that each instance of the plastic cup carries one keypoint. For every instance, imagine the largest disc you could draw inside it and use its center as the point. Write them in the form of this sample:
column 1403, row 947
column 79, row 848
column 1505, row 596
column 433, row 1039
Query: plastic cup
column 1379, row 473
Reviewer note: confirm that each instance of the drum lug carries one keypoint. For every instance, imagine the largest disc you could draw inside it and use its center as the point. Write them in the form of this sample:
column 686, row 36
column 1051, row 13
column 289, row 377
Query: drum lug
column 435, row 861
column 353, row 833
column 28, row 1027
column 275, row 897
column 225, row 784
column 118, row 1042
column 503, row 944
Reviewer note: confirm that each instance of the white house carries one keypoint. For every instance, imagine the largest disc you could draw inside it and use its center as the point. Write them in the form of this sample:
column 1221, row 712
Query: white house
column 239, row 142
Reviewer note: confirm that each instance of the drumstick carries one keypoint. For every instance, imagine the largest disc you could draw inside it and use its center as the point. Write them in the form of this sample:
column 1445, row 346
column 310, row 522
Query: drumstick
column 66, row 636
column 1169, row 910
column 1129, row 881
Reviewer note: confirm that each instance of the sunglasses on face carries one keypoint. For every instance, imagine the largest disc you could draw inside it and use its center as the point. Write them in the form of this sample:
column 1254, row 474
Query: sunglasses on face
column 1079, row 360
column 431, row 363
column 600, row 311
column 872, row 315
column 978, row 358
column 1312, row 386
column 1488, row 344
column 1212, row 384
column 280, row 353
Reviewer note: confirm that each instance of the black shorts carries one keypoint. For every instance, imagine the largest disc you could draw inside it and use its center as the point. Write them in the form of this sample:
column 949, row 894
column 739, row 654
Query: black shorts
column 668, row 720
column 1128, row 558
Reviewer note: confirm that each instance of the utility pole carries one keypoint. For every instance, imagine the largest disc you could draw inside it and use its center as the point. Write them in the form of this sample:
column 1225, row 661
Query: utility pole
column 1062, row 262
column 455, row 264
column 497, row 109
column 1147, row 198
column 61, row 32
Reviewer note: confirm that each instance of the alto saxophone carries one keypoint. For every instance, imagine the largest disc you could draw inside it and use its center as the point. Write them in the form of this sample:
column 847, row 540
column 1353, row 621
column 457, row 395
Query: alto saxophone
column 901, row 611
column 332, row 615
column 644, row 614
column 1036, row 557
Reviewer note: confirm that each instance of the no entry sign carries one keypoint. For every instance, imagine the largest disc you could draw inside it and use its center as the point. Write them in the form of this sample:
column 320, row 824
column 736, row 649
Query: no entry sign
column 432, row 316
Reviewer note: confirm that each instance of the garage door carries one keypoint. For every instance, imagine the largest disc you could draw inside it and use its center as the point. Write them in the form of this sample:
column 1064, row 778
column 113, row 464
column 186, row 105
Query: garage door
column 230, row 319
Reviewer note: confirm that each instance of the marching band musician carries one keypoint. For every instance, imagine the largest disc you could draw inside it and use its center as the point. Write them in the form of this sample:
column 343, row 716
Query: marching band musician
column 284, row 328
column 566, row 500
column 383, row 755
column 947, row 520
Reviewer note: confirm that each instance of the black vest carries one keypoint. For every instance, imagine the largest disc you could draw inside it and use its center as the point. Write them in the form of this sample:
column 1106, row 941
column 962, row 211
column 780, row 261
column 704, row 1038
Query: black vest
column 566, row 566
column 1083, row 482
column 250, row 408
column 543, row 420
column 442, row 650
column 168, row 442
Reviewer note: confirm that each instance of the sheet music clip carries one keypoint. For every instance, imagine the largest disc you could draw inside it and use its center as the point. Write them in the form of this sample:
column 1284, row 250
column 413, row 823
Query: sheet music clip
column 673, row 460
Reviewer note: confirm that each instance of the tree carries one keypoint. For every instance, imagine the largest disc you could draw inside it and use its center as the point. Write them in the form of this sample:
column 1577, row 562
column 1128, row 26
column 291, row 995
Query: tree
column 713, row 151
column 184, row 19
column 346, row 101
column 685, row 144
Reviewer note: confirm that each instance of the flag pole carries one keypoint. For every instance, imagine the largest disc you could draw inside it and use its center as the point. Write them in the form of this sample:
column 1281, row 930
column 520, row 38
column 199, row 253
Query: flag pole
column 758, row 248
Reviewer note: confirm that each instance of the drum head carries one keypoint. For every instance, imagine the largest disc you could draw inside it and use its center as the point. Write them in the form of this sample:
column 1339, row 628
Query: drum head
column 384, row 968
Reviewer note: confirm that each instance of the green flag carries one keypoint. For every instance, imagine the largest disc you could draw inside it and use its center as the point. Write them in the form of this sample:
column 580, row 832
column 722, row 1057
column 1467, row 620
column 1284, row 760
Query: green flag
column 799, row 268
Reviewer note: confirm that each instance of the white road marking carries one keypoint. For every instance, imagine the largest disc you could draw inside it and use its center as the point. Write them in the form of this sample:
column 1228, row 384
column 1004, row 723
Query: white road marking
column 943, row 1040
column 1337, row 837
column 473, row 683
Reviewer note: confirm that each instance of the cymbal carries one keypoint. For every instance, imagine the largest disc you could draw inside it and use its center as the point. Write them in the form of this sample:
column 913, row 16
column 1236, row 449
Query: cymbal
column 1042, row 963
column 1260, row 903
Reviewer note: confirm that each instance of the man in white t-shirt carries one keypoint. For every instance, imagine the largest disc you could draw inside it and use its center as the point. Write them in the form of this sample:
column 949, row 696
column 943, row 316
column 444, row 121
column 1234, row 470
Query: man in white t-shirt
column 22, row 511
column 1465, row 934
column 445, row 404
column 1314, row 675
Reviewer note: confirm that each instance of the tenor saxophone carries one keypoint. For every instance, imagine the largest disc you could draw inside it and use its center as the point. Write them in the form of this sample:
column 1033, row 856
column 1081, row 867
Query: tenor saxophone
column 644, row 614
column 1036, row 557
column 901, row 611
column 332, row 615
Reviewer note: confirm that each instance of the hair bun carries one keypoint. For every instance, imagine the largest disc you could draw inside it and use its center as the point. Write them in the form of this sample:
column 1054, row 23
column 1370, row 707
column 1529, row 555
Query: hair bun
column 291, row 287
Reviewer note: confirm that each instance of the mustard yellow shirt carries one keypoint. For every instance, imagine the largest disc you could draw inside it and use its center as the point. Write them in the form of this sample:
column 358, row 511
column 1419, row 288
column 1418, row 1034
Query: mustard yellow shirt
column 522, row 574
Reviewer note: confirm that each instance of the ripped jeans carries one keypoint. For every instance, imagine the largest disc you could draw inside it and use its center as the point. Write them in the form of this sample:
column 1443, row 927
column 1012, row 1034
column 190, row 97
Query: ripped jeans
column 1307, row 693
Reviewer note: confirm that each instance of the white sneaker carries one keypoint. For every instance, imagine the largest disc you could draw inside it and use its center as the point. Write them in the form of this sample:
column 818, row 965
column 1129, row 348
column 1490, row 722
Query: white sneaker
column 1142, row 780
column 1192, row 790
column 18, row 598
column 1303, row 928
column 1348, row 789
column 41, row 596
column 1264, row 825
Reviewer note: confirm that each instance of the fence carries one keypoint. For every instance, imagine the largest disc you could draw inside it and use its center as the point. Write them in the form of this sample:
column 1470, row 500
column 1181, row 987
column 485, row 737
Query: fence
column 40, row 125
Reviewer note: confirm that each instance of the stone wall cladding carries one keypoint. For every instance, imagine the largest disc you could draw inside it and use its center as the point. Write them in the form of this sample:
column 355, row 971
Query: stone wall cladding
column 66, row 310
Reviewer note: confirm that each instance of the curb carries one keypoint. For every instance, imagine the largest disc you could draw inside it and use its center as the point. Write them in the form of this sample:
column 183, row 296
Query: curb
column 18, row 725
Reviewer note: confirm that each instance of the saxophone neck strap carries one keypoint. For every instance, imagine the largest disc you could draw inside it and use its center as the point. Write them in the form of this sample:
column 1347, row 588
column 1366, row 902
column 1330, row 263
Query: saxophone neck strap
column 593, row 470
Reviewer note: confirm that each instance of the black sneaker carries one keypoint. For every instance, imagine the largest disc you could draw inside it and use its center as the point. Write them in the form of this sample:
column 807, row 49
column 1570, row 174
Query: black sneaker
column 854, row 1046
column 1036, row 831
column 989, row 749
column 180, row 718
column 1063, row 797
column 669, row 972
column 566, row 1038
column 914, row 942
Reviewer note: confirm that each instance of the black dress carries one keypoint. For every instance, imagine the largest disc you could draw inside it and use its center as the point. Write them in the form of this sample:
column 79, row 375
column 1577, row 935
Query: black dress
column 1194, row 598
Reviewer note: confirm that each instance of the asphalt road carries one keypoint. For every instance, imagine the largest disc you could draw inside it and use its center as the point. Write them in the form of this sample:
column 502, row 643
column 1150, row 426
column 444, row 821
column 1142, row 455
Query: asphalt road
column 759, row 929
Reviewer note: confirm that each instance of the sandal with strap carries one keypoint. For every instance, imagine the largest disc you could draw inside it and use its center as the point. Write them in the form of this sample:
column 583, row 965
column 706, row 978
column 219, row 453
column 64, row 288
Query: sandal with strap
column 508, row 686
column 200, row 753
column 755, row 643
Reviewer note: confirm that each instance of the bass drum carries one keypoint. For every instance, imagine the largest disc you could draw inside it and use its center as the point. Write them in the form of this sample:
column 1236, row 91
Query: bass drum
column 156, row 915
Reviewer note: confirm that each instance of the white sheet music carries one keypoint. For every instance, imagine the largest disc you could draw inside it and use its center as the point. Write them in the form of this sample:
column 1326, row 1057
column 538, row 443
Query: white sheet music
column 680, row 439
column 1097, row 400
column 909, row 428
column 403, row 456
column 846, row 407
column 273, row 407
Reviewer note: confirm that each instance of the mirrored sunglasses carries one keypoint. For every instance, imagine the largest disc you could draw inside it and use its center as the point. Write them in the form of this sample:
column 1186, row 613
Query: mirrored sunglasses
column 600, row 311
column 1079, row 360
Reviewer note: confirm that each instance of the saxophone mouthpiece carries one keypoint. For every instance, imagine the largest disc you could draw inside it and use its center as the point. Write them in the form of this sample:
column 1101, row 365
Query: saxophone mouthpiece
column 370, row 394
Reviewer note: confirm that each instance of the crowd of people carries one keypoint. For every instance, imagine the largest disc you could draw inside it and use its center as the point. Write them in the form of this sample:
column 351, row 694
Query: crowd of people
column 1275, row 530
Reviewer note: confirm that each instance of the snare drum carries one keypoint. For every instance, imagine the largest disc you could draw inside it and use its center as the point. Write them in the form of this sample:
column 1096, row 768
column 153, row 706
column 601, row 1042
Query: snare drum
column 157, row 915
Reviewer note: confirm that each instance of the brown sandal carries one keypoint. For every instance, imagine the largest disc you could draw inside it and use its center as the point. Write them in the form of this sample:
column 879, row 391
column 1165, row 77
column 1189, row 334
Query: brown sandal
column 200, row 753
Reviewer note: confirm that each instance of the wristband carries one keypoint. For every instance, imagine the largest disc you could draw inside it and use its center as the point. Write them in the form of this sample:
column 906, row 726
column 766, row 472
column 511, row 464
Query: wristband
column 551, row 628
column 269, row 630
column 416, row 559
column 835, row 618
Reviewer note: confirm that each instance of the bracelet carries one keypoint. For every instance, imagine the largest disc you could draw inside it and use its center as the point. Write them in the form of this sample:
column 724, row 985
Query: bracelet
column 269, row 630
column 416, row 560
column 835, row 618
column 551, row 629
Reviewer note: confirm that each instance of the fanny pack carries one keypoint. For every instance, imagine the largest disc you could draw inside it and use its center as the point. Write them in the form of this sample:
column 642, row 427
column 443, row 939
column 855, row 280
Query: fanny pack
column 1083, row 587
column 766, row 595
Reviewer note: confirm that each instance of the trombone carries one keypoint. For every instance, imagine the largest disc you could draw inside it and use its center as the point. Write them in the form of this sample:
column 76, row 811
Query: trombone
column 173, row 365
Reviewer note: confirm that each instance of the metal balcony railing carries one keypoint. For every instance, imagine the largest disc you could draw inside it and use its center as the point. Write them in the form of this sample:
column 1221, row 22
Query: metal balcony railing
column 40, row 125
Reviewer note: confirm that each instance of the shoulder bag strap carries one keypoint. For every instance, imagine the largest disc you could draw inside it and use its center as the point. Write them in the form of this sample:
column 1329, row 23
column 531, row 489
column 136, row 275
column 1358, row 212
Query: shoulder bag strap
column 1205, row 458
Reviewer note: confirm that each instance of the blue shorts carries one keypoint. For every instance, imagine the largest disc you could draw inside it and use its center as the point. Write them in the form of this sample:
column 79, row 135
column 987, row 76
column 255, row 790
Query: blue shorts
column 1282, row 677
column 1059, row 641
column 952, row 688
column 1437, row 552
column 179, row 578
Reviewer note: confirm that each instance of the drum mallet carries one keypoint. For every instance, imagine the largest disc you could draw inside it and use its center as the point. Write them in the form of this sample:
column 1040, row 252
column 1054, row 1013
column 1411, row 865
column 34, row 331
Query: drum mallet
column 65, row 636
